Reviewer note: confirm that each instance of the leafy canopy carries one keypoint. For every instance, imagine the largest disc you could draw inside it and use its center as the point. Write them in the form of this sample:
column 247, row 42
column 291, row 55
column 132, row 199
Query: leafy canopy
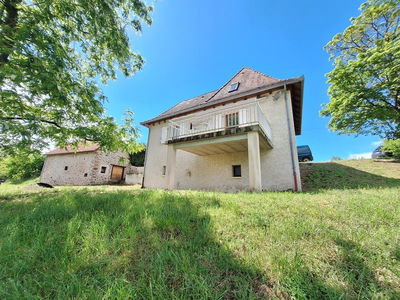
column 392, row 146
column 52, row 56
column 22, row 165
column 365, row 82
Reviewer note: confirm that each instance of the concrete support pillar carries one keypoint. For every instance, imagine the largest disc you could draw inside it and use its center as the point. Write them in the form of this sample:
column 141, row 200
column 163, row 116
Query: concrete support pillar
column 253, row 145
column 171, row 162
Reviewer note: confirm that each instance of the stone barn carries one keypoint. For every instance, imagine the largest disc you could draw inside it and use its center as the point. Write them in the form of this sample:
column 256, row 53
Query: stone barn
column 84, row 165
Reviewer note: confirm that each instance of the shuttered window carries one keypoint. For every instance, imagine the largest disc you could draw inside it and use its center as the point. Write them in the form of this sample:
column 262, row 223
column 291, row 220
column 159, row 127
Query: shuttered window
column 163, row 134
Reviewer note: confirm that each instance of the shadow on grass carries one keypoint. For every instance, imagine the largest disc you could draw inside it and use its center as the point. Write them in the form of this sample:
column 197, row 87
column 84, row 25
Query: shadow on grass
column 362, row 280
column 119, row 245
column 332, row 175
column 146, row 244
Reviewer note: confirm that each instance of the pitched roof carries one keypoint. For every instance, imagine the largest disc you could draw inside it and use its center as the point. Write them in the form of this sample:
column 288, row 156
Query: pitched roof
column 250, row 81
column 78, row 149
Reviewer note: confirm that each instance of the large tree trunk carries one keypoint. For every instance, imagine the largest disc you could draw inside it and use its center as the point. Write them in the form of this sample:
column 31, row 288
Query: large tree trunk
column 8, row 24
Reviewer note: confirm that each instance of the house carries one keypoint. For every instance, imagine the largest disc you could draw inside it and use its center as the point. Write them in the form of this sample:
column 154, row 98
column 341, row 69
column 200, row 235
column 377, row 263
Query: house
column 238, row 137
column 84, row 165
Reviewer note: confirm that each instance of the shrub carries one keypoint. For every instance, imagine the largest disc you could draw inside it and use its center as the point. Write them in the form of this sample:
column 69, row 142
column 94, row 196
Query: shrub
column 137, row 159
column 24, row 165
column 392, row 146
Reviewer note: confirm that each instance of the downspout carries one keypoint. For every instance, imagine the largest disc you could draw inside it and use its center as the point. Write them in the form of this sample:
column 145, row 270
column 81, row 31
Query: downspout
column 145, row 158
column 296, row 184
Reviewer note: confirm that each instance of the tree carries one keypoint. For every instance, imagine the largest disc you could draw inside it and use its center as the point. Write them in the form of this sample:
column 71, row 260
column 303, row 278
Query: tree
column 364, row 86
column 392, row 146
column 24, row 164
column 52, row 56
column 137, row 158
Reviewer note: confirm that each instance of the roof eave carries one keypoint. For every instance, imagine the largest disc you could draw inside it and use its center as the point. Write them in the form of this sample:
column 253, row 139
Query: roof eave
column 62, row 153
column 229, row 98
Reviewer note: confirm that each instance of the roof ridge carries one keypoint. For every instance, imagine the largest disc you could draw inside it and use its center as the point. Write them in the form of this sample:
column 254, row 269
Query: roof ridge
column 263, row 74
column 226, row 83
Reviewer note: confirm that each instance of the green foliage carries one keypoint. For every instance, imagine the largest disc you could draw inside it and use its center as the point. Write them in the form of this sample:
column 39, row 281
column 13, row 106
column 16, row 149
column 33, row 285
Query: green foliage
column 52, row 55
column 365, row 82
column 3, row 167
column 392, row 146
column 23, row 165
column 137, row 159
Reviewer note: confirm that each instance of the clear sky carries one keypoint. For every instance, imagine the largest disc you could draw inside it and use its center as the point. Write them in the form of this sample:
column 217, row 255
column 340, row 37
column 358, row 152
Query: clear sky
column 194, row 47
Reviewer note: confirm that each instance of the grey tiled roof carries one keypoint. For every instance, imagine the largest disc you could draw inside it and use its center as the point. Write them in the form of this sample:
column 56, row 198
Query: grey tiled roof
column 248, row 80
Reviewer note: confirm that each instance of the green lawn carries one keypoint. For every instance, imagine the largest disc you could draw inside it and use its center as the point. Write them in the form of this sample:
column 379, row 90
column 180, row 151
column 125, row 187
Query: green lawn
column 339, row 238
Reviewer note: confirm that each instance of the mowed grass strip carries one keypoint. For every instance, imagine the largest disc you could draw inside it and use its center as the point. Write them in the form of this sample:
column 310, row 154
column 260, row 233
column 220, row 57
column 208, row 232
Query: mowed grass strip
column 106, row 242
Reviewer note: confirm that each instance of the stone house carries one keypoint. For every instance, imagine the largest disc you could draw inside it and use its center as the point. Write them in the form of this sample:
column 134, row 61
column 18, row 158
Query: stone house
column 85, row 165
column 238, row 137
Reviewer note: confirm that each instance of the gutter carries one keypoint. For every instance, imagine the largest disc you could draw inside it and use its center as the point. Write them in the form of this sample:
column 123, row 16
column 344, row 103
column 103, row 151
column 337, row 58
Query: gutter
column 296, row 184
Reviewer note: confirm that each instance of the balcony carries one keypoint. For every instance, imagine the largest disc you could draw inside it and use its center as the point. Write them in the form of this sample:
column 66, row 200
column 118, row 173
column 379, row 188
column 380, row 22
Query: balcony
column 219, row 132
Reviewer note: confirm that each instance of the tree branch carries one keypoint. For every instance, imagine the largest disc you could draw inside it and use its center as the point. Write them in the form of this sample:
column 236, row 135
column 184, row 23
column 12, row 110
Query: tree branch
column 27, row 119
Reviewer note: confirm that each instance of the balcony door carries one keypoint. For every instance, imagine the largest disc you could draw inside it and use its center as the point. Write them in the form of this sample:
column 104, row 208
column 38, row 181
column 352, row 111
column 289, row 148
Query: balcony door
column 232, row 119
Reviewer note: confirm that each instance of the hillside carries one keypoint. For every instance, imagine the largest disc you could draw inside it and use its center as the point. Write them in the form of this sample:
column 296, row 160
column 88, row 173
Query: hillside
column 336, row 241
column 350, row 174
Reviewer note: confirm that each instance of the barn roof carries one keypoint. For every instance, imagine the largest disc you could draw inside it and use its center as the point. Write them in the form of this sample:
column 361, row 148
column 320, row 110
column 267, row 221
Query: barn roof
column 70, row 149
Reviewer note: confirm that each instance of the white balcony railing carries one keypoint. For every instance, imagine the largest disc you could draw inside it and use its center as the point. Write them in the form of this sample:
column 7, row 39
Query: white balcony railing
column 242, row 116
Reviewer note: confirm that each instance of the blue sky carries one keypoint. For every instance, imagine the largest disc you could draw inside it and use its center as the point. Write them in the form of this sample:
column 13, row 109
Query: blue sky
column 194, row 47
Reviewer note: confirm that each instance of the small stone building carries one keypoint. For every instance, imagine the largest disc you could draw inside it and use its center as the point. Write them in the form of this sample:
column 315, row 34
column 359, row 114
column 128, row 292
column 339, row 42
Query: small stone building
column 85, row 165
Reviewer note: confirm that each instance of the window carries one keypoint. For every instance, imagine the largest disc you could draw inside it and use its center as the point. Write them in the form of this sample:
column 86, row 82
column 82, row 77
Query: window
column 237, row 171
column 85, row 175
column 164, row 170
column 66, row 168
column 191, row 126
column 103, row 169
column 232, row 119
column 234, row 87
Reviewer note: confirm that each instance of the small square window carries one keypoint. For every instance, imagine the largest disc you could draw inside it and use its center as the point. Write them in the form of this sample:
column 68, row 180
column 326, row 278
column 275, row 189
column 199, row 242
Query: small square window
column 65, row 168
column 103, row 169
column 85, row 175
column 164, row 170
column 237, row 171
column 234, row 87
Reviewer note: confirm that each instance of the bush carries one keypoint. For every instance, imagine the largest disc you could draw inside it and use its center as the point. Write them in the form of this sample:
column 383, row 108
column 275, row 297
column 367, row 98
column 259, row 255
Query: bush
column 137, row 159
column 392, row 146
column 24, row 165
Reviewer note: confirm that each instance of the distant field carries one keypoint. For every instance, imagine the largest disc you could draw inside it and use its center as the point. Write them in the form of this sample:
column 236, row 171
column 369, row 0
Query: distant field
column 338, row 239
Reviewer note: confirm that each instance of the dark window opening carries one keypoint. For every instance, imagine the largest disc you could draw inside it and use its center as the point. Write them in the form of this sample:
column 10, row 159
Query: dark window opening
column 103, row 169
column 65, row 168
column 234, row 87
column 232, row 119
column 164, row 170
column 191, row 125
column 85, row 175
column 237, row 171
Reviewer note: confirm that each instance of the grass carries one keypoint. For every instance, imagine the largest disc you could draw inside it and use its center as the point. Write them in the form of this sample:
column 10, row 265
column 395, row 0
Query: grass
column 336, row 240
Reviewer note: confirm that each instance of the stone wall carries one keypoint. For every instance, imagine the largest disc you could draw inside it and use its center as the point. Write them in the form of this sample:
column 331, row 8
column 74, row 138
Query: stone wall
column 83, row 168
column 134, row 175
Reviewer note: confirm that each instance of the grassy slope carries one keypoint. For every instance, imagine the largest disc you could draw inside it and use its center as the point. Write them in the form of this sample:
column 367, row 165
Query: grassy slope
column 339, row 240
